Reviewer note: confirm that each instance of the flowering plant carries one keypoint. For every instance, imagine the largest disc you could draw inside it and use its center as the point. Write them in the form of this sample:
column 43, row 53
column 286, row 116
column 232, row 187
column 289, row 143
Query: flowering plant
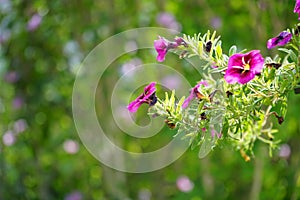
column 237, row 95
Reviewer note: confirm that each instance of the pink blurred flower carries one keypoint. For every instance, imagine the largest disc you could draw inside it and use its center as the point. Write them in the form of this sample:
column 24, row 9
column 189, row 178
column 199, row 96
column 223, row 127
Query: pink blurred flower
column 18, row 102
column 71, row 146
column 171, row 82
column 34, row 22
column 216, row 22
column 184, row 184
column 20, row 126
column 284, row 151
column 9, row 138
column 168, row 20
column 75, row 195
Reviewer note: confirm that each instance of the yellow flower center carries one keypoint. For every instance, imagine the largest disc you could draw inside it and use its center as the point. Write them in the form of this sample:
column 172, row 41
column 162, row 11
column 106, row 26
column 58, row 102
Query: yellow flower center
column 246, row 66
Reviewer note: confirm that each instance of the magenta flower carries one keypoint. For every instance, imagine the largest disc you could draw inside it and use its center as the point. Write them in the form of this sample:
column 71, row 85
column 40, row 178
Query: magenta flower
column 242, row 68
column 148, row 97
column 162, row 46
column 282, row 39
column 297, row 8
column 195, row 93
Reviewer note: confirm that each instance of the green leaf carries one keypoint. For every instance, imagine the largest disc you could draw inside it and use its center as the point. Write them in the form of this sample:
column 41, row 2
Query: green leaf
column 219, row 51
column 179, row 104
column 200, row 48
column 232, row 50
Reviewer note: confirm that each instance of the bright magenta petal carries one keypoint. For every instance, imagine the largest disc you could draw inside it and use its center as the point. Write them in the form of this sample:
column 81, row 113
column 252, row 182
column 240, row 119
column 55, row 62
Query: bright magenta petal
column 242, row 68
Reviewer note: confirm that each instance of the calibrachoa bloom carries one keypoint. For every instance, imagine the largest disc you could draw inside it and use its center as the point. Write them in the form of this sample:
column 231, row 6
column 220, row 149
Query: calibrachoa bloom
column 195, row 93
column 282, row 39
column 162, row 46
column 148, row 97
column 242, row 68
column 297, row 8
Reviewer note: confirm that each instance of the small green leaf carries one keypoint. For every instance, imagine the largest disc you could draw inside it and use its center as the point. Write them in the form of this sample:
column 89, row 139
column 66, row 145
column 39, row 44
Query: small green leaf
column 179, row 104
column 200, row 48
column 219, row 51
column 232, row 50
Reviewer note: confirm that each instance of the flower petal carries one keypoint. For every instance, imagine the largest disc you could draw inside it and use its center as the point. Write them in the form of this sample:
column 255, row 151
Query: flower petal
column 133, row 106
column 161, row 47
column 235, row 60
column 246, row 77
column 256, row 62
column 148, row 97
column 232, row 75
column 282, row 39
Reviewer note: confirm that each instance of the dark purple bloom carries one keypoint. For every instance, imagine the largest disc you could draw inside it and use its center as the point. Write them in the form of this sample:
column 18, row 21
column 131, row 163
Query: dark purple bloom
column 297, row 8
column 195, row 93
column 148, row 97
column 282, row 39
column 242, row 68
column 34, row 22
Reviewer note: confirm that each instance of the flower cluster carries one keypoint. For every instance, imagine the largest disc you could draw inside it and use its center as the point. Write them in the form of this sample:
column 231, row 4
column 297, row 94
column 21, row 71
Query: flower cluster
column 238, row 105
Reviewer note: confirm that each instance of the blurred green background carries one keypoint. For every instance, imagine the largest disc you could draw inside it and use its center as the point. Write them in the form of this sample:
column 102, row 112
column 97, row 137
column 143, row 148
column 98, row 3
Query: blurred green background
column 41, row 156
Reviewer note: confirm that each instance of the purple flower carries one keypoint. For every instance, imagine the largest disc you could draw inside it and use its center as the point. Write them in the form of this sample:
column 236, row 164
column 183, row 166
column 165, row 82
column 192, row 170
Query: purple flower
column 162, row 46
column 242, row 68
column 297, row 8
column 282, row 39
column 148, row 97
column 195, row 93
column 34, row 22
